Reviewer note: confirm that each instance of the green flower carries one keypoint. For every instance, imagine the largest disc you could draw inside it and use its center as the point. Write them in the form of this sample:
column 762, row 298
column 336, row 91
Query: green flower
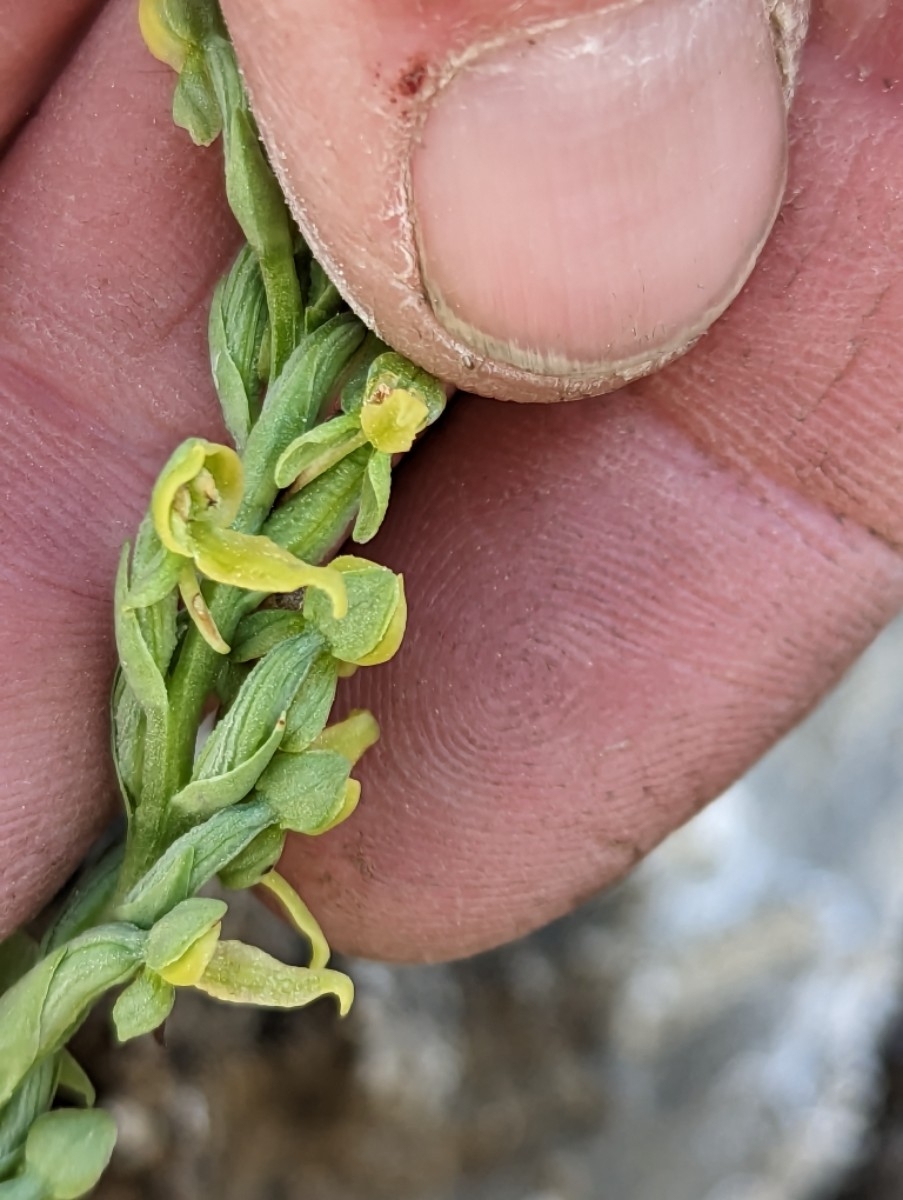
column 194, row 502
column 163, row 40
column 373, row 627
column 391, row 418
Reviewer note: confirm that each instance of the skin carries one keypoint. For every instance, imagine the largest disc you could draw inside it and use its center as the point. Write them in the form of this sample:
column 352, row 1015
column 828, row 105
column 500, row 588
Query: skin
column 516, row 178
column 617, row 605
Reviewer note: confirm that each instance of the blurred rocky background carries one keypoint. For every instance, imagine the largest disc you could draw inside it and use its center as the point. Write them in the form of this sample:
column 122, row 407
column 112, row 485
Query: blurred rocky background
column 722, row 1027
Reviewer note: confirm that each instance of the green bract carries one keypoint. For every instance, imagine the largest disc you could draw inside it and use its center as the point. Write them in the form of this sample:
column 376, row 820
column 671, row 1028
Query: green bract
column 66, row 1152
column 371, row 630
column 178, row 944
column 143, row 1006
column 220, row 755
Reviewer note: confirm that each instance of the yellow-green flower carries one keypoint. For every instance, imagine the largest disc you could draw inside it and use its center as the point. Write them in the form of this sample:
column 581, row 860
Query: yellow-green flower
column 351, row 737
column 187, row 970
column 391, row 640
column 194, row 502
column 373, row 629
column 159, row 35
column 391, row 418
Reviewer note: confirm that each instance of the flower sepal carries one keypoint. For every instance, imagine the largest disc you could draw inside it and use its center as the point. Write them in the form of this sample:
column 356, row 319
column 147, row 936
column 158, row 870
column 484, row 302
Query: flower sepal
column 373, row 626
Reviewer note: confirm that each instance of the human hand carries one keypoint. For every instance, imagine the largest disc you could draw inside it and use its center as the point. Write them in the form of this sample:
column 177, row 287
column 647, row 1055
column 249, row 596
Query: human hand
column 616, row 605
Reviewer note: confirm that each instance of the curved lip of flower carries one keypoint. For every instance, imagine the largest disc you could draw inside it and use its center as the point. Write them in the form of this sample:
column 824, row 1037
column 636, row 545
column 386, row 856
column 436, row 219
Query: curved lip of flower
column 391, row 419
column 174, row 510
column 249, row 561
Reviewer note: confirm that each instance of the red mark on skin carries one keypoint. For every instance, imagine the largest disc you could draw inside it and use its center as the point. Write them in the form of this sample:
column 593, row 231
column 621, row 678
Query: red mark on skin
column 411, row 81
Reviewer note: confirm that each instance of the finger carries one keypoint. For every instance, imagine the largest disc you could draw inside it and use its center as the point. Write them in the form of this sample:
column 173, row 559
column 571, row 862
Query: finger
column 534, row 199
column 114, row 229
column 35, row 38
column 616, row 607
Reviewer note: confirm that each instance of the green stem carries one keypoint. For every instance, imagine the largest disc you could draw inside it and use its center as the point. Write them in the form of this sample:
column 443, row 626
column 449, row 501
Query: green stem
column 147, row 827
column 194, row 679
column 280, row 282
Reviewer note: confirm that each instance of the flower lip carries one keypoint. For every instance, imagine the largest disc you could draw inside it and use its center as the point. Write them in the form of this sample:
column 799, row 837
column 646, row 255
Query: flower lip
column 201, row 484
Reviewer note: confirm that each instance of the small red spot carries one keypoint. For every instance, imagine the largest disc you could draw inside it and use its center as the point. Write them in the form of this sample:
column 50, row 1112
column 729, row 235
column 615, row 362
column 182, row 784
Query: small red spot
column 412, row 80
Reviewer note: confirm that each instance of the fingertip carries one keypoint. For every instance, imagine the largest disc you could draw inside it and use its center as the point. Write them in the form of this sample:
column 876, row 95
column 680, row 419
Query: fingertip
column 531, row 208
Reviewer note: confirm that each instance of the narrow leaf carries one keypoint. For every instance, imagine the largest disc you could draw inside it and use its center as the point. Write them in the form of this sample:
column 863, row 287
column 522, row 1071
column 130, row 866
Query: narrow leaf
column 138, row 665
column 256, row 199
column 44, row 1008
column 86, row 900
column 323, row 300
column 193, row 859
column 291, row 407
column 253, row 193
column 152, row 592
column 143, row 1006
column 69, row 1150
column 227, row 378
column 305, row 790
column 255, row 860
column 259, row 707
column 314, row 522
column 237, row 327
column 202, row 797
column 260, row 631
column 33, row 1096
column 375, row 492
column 74, row 1081
column 177, row 931
column 311, row 706
column 166, row 884
column 156, row 580
column 128, row 726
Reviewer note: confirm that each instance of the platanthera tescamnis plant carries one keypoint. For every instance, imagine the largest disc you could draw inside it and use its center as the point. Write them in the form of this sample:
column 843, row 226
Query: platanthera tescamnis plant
column 228, row 597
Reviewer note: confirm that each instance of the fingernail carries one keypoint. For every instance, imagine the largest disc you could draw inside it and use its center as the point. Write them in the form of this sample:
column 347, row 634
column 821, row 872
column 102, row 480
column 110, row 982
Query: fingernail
column 592, row 196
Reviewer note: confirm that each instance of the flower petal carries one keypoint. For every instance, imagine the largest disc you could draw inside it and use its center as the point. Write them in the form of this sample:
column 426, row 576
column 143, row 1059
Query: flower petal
column 300, row 916
column 391, row 420
column 352, row 737
column 201, row 483
column 241, row 974
column 159, row 36
column 257, row 564
column 350, row 799
column 392, row 638
column 196, row 607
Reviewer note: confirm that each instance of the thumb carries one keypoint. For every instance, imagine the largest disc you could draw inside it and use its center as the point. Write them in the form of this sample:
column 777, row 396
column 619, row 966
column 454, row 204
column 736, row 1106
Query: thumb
column 533, row 199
